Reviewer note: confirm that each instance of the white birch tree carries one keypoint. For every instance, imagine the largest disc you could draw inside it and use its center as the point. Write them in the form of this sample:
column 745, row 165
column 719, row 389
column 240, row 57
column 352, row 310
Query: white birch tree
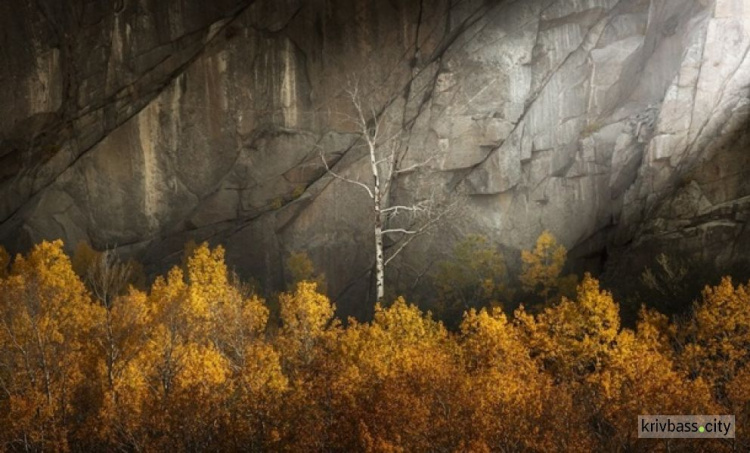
column 400, row 223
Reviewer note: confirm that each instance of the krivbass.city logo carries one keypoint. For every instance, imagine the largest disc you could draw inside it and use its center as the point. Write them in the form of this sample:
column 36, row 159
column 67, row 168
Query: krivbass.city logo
column 686, row 426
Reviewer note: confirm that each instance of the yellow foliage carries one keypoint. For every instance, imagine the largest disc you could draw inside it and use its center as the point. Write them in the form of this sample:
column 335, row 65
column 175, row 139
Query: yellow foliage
column 301, row 268
column 403, row 323
column 189, row 365
column 738, row 394
column 506, row 383
column 541, row 267
column 305, row 311
column 208, row 289
column 638, row 379
column 476, row 276
column 306, row 316
column 259, row 386
column 46, row 318
column 655, row 331
column 717, row 336
column 573, row 337
column 187, row 252
column 204, row 369
column 4, row 262
column 119, row 338
column 407, row 370
column 84, row 257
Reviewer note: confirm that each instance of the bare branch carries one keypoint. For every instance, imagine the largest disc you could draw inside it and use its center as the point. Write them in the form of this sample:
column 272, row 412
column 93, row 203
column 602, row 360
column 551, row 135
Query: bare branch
column 383, row 160
column 426, row 226
column 107, row 276
column 398, row 250
column 376, row 127
column 399, row 230
column 387, row 151
column 414, row 167
column 362, row 121
column 395, row 209
column 350, row 181
column 392, row 138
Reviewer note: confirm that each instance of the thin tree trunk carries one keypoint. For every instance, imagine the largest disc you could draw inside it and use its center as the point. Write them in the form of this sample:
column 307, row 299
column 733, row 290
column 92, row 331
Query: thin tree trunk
column 379, row 266
column 379, row 258
column 378, row 192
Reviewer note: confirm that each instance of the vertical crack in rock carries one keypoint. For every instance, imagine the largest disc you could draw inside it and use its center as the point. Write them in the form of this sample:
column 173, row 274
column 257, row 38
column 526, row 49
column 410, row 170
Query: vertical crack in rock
column 47, row 176
column 155, row 126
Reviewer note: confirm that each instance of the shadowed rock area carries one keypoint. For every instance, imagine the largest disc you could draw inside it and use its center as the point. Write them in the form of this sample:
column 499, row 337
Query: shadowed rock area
column 620, row 126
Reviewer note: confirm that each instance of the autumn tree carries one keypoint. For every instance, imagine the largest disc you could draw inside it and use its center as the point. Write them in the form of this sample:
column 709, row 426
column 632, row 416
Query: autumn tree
column 716, row 338
column 121, row 337
column 574, row 337
column 45, row 356
column 738, row 395
column 474, row 277
column 638, row 378
column 120, row 330
column 105, row 273
column 411, row 387
column 306, row 316
column 190, row 364
column 209, row 343
column 309, row 331
column 161, row 362
column 506, row 383
column 176, row 361
column 542, row 268
column 300, row 268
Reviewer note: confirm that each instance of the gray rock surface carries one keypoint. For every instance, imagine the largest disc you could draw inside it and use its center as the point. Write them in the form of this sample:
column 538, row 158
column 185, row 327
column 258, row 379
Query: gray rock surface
column 617, row 125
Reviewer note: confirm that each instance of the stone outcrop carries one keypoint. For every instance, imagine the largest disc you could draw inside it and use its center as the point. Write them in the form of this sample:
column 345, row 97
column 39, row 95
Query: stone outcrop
column 619, row 125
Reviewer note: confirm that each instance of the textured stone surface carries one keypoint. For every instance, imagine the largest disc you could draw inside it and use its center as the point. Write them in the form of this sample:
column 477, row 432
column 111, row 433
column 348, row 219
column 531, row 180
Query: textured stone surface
column 618, row 125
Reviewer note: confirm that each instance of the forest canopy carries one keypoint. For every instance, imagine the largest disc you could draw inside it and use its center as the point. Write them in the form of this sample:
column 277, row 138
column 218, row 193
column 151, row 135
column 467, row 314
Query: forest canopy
column 91, row 359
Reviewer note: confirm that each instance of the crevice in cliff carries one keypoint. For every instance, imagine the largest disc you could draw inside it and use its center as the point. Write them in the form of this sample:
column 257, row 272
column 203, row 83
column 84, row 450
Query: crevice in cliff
column 716, row 101
column 434, row 58
column 696, row 150
column 534, row 96
column 414, row 63
column 134, row 95
column 697, row 82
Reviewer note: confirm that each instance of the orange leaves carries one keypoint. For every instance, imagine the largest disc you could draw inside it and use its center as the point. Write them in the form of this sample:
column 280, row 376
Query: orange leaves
column 716, row 347
column 489, row 341
column 306, row 316
column 209, row 284
column 204, row 370
column 542, row 265
column 404, row 324
column 305, row 312
column 738, row 394
column 505, row 384
column 573, row 337
column 718, row 336
column 4, row 262
column 191, row 365
column 45, row 321
column 476, row 276
column 409, row 382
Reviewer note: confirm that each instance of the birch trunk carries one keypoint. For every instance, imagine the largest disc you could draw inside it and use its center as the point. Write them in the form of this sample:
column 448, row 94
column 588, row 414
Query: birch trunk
column 377, row 198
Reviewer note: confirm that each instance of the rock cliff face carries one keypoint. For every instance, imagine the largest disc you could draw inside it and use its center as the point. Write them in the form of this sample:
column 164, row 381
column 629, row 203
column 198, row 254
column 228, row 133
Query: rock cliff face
column 620, row 125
